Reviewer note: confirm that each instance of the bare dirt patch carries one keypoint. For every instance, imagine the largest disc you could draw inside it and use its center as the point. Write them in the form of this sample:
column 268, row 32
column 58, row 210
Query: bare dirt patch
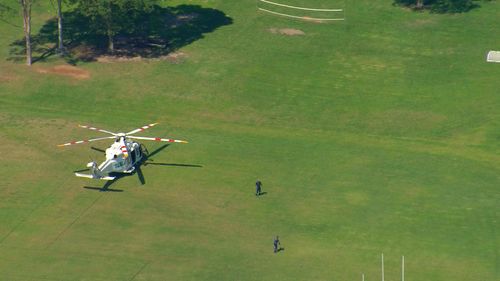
column 287, row 31
column 8, row 72
column 111, row 59
column 66, row 70
column 175, row 58
column 6, row 77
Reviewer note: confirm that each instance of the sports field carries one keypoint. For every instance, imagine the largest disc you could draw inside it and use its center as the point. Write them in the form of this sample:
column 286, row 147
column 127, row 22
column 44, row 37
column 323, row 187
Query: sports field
column 377, row 134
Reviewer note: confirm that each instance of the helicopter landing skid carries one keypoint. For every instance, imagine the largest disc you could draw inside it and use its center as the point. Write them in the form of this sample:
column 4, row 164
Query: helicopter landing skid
column 130, row 171
column 108, row 178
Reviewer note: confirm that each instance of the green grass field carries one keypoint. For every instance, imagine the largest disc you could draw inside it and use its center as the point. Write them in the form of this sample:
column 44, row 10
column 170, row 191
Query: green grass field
column 378, row 134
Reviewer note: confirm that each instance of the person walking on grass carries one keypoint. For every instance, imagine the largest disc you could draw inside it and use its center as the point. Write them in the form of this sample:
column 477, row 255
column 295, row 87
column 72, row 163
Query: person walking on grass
column 258, row 189
column 276, row 244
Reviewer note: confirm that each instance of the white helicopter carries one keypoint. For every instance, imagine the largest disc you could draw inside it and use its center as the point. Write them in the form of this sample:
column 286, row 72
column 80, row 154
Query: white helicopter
column 122, row 156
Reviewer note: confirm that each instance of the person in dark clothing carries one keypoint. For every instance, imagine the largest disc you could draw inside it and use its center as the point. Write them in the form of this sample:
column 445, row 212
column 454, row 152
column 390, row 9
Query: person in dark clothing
column 276, row 244
column 258, row 189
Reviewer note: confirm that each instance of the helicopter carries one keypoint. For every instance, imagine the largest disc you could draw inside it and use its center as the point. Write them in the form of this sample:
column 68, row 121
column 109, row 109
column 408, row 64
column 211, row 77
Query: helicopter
column 123, row 156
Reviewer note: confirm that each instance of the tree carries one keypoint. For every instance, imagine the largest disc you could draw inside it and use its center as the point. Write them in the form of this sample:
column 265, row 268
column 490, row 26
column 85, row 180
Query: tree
column 111, row 17
column 452, row 6
column 60, row 28
column 26, row 7
column 417, row 4
column 439, row 6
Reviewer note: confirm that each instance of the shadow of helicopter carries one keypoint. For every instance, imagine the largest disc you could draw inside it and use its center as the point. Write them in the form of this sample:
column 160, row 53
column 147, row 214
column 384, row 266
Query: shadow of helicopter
column 146, row 160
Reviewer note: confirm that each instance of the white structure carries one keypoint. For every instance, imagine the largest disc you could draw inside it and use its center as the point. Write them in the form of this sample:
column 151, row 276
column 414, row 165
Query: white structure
column 403, row 268
column 493, row 56
column 382, row 268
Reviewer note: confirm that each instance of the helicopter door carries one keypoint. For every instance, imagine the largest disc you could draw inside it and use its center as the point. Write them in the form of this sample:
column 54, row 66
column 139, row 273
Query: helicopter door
column 139, row 153
column 133, row 156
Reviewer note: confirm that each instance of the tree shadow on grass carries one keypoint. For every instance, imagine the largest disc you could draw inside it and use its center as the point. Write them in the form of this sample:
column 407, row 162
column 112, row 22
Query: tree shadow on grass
column 155, row 34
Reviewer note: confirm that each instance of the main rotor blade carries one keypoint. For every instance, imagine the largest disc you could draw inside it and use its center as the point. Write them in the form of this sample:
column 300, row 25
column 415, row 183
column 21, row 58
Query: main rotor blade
column 101, row 189
column 140, row 175
column 82, row 170
column 157, row 139
column 106, row 186
column 175, row 165
column 97, row 129
column 98, row 149
column 141, row 129
column 158, row 150
column 84, row 141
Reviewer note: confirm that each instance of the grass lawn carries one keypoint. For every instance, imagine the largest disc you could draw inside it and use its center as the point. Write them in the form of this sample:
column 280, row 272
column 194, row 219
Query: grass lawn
column 377, row 134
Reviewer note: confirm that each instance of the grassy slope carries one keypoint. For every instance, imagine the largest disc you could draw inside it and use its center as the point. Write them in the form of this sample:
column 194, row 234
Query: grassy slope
column 374, row 135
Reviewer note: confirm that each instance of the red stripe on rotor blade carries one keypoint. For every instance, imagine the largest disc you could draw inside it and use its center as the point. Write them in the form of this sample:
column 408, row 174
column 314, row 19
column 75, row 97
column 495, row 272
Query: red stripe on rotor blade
column 157, row 139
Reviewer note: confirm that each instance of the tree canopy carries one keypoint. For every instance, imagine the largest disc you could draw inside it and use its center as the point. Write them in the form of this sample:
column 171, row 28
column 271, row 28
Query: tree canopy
column 440, row 6
column 111, row 17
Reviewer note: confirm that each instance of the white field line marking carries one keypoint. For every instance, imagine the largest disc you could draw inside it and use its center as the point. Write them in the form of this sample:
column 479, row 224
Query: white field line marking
column 297, row 17
column 302, row 8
